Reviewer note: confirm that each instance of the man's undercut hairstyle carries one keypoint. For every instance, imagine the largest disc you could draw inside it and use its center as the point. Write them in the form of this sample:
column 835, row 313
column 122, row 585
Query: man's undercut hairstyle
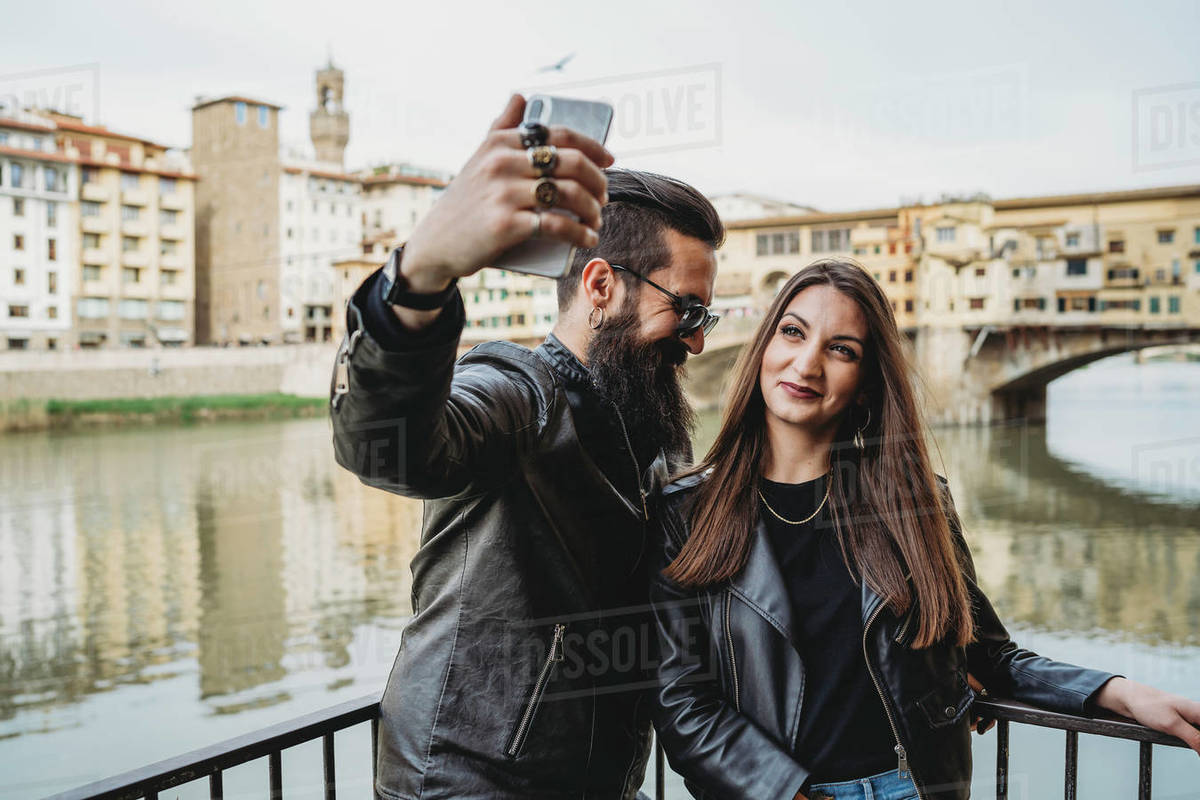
column 640, row 206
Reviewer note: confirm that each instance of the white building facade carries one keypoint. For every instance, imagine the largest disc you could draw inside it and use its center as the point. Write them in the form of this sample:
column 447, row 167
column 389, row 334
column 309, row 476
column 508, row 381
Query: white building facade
column 39, row 241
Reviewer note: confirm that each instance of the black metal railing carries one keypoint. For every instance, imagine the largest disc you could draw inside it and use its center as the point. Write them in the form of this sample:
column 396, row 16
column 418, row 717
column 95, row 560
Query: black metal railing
column 213, row 760
column 1006, row 711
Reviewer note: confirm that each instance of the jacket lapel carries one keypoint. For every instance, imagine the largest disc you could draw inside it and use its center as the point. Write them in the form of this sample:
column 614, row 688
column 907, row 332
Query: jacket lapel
column 760, row 585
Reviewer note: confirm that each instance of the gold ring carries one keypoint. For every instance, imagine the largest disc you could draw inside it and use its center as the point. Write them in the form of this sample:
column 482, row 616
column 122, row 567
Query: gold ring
column 543, row 159
column 545, row 193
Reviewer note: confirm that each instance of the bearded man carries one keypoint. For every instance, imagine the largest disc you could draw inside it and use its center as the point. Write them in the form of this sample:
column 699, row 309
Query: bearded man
column 522, row 672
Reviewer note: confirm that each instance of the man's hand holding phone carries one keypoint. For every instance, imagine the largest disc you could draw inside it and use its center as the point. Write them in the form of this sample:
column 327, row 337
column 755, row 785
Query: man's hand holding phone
column 490, row 206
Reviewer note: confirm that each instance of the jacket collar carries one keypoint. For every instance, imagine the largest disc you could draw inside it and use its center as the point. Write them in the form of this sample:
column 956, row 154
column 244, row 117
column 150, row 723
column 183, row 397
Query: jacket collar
column 565, row 363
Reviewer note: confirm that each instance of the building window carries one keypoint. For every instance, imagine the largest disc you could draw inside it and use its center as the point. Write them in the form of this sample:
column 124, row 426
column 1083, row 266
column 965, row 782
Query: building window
column 1196, row 236
column 87, row 175
column 131, row 275
column 16, row 175
column 1116, row 246
column 92, row 307
column 1077, row 266
column 908, row 305
column 980, row 272
column 91, row 272
column 1072, row 240
column 1121, row 305
column 1154, row 305
column 91, row 241
column 52, row 312
column 132, row 309
column 976, row 303
column 89, row 209
column 262, row 116
column 1173, row 304
column 51, row 215
column 54, row 181
column 130, row 213
column 892, row 276
column 239, row 112
column 129, row 181
column 18, row 276
column 946, row 233
column 167, row 247
column 167, row 216
column 171, row 310
column 130, row 244
column 166, row 185
column 762, row 241
column 17, row 344
column 168, row 277
column 18, row 206
column 51, row 250
column 52, row 282
column 18, row 311
column 1166, row 237
column 831, row 240
column 18, row 242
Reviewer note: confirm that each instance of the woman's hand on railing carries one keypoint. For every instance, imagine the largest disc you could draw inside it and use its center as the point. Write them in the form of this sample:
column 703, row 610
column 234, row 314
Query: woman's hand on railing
column 1154, row 708
column 980, row 724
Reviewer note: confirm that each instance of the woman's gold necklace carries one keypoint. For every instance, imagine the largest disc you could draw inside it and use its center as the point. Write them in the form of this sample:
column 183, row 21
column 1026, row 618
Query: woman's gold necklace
column 782, row 518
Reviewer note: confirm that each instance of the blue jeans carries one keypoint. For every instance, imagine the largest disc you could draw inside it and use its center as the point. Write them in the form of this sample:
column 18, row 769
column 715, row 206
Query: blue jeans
column 884, row 786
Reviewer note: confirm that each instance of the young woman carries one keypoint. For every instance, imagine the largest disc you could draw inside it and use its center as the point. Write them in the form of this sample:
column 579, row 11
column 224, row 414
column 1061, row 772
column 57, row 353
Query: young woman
column 822, row 633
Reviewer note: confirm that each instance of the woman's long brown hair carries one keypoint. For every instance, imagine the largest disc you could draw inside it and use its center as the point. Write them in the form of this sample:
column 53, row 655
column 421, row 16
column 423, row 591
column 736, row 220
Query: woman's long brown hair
column 885, row 501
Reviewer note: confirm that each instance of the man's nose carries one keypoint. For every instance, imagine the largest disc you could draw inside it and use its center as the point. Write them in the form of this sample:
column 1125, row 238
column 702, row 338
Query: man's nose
column 694, row 342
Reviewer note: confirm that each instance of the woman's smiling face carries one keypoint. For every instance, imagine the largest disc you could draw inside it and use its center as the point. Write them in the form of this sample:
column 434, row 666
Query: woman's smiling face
column 812, row 367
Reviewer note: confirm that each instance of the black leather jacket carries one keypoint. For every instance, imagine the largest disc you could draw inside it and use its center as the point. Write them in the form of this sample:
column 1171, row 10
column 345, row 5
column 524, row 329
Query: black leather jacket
column 732, row 684
column 507, row 683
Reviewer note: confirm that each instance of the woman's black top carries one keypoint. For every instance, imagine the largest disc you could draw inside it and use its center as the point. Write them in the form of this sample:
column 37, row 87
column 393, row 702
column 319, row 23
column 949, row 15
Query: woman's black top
column 844, row 731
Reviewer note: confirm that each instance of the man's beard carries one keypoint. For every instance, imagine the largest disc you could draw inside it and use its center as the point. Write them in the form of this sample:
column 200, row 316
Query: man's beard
column 645, row 382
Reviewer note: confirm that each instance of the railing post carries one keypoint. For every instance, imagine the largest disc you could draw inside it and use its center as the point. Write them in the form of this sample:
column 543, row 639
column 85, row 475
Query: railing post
column 327, row 759
column 374, row 751
column 1002, row 760
column 216, row 786
column 660, row 772
column 1072, row 768
column 1144, row 769
column 275, row 773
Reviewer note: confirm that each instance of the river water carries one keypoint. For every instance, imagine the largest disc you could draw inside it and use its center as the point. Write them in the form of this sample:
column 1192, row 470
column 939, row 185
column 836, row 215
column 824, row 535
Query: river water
column 165, row 588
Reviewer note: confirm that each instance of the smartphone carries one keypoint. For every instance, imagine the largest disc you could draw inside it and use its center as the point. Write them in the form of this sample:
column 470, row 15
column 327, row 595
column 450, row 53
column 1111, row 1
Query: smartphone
column 548, row 257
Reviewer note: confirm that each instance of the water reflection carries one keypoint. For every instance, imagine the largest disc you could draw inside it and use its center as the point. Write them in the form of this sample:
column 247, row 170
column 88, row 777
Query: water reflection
column 240, row 551
column 229, row 576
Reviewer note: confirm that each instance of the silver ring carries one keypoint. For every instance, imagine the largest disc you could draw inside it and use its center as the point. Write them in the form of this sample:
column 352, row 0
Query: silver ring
column 537, row 225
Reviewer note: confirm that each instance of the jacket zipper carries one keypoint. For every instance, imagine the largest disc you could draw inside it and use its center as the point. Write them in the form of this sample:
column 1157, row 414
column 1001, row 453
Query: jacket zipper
column 555, row 655
column 899, row 637
column 737, row 695
column 637, row 471
column 901, row 754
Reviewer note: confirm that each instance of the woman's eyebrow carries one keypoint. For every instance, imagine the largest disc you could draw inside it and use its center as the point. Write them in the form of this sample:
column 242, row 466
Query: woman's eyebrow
column 804, row 322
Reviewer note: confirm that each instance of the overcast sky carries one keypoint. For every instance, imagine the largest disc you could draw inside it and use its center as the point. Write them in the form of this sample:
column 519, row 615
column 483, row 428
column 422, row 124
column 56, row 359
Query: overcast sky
column 836, row 105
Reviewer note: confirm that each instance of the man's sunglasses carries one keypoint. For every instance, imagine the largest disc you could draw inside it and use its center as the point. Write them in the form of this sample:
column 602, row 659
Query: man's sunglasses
column 692, row 316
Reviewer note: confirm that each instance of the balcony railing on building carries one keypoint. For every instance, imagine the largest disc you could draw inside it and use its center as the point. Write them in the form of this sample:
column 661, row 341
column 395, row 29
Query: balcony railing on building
column 210, row 763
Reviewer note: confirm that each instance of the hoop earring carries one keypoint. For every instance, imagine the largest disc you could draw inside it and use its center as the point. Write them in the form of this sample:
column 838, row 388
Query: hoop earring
column 594, row 323
column 859, row 442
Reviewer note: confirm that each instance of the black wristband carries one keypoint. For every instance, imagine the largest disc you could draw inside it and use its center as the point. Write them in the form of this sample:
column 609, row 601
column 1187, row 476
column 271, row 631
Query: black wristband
column 396, row 292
